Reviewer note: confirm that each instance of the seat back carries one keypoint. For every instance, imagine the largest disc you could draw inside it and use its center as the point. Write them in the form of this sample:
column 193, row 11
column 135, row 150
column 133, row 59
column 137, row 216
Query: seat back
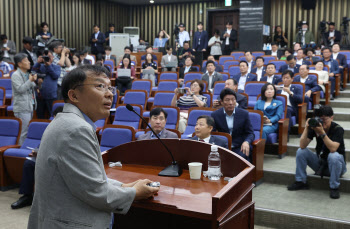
column 10, row 130
column 35, row 132
column 143, row 84
column 224, row 136
column 209, row 99
column 236, row 55
column 347, row 55
column 6, row 83
column 228, row 63
column 242, row 58
column 2, row 96
column 222, row 59
column 100, row 123
column 173, row 118
column 115, row 135
column 278, row 63
column 301, row 87
column 168, row 85
column 233, row 70
column 12, row 66
column 197, row 67
column 256, row 119
column 163, row 98
column 218, row 87
column 127, row 118
column 168, row 76
column 111, row 63
column 267, row 58
column 253, row 89
column 257, row 54
column 138, row 97
column 193, row 114
column 192, row 76
column 1, row 73
column 57, row 103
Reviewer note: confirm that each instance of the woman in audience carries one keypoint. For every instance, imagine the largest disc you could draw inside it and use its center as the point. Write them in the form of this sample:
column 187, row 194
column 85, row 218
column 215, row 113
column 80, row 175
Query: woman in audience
column 323, row 76
column 215, row 44
column 125, row 81
column 271, row 107
column 280, row 37
column 193, row 98
column 287, row 53
column 149, row 64
column 75, row 63
column 161, row 40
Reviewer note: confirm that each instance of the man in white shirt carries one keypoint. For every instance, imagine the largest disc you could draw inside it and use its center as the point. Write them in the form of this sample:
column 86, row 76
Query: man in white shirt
column 249, row 58
column 270, row 75
column 183, row 35
column 108, row 55
column 229, row 37
column 300, row 57
column 7, row 49
column 259, row 70
column 274, row 50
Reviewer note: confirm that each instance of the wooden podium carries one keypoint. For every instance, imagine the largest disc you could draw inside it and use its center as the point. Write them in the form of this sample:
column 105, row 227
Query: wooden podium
column 182, row 202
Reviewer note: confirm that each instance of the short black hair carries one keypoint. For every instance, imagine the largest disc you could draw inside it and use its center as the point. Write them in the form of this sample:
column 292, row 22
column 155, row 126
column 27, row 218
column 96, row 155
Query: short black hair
column 111, row 25
column 320, row 61
column 186, row 42
column 227, row 91
column 189, row 57
column 273, row 43
column 289, row 50
column 57, row 110
column 168, row 48
column 234, row 81
column 200, row 23
column 301, row 50
column 243, row 61
column 210, row 121
column 96, row 26
column 229, row 23
column 327, row 111
column 310, row 49
column 336, row 44
column 290, row 57
column 289, row 72
column 307, row 66
column 210, row 62
column 55, row 44
column 3, row 37
column 156, row 111
column 217, row 32
column 127, row 47
column 260, row 57
column 19, row 57
column 78, row 76
column 149, row 46
column 248, row 51
column 327, row 48
column 43, row 24
column 271, row 64
column 27, row 40
column 109, row 48
column 264, row 88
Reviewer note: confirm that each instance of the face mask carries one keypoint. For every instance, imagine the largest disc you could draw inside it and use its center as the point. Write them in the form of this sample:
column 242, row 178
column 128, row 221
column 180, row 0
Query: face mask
column 318, row 52
column 304, row 29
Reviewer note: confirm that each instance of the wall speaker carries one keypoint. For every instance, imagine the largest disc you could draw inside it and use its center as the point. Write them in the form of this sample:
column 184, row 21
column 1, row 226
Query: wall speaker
column 308, row 4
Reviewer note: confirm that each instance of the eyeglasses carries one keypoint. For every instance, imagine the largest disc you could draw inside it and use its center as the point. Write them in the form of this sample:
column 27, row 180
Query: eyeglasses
column 100, row 87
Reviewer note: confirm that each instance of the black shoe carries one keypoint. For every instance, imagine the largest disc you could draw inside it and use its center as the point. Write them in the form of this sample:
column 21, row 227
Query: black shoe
column 332, row 97
column 334, row 193
column 341, row 89
column 24, row 201
column 298, row 185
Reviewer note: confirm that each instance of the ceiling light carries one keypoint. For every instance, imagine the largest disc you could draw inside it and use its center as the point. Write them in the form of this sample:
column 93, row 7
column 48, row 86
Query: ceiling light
column 151, row 1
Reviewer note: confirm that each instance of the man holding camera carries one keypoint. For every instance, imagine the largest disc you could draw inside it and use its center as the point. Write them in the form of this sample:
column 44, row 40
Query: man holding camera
column 329, row 159
column 48, row 74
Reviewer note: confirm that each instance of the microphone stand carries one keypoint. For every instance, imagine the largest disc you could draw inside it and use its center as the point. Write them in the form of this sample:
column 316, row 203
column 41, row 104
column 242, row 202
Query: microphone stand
column 173, row 170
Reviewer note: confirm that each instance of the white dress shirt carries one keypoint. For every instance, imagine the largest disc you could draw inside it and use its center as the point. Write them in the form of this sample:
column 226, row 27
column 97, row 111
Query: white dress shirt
column 6, row 53
column 335, row 55
column 259, row 73
column 303, row 80
column 332, row 34
column 273, row 53
column 241, row 83
column 187, row 69
column 286, row 94
column 183, row 36
column 169, row 57
column 228, row 38
column 269, row 79
column 108, row 57
column 300, row 62
column 206, row 140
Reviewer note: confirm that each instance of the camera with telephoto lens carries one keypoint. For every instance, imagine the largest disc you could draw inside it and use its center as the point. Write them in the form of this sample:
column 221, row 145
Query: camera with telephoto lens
column 316, row 121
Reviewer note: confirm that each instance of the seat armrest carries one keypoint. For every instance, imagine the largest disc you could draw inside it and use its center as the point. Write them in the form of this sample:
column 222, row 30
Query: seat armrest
column 327, row 94
column 302, row 111
column 337, row 83
column 282, row 135
column 4, row 148
column 258, row 158
column 316, row 97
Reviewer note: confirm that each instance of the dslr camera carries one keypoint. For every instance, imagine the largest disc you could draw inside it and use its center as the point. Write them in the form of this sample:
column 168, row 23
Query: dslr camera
column 316, row 120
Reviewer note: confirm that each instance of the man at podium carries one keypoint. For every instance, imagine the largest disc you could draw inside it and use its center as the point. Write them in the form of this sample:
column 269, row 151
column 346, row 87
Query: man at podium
column 71, row 186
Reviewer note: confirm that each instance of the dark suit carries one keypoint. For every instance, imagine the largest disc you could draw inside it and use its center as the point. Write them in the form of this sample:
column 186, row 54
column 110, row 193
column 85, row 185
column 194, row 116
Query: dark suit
column 227, row 49
column 242, row 128
column 200, row 40
column 214, row 140
column 218, row 68
column 241, row 101
column 310, row 84
column 216, row 77
column 342, row 62
column 182, row 71
column 250, row 77
column 29, row 57
column 165, row 134
column 337, row 37
column 285, row 67
column 27, row 182
column 254, row 70
column 97, row 47
column 251, row 66
column 333, row 68
column 275, row 80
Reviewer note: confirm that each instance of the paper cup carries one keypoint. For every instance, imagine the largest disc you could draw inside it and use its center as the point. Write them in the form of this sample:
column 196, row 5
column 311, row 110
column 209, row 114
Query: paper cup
column 195, row 170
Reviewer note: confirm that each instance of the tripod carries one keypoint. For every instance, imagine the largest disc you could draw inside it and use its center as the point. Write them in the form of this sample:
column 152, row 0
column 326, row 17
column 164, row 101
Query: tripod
column 345, row 36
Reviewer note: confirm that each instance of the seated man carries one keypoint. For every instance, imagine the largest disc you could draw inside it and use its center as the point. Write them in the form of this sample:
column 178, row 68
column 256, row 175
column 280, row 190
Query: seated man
column 108, row 56
column 236, row 122
column 218, row 67
column 341, row 59
column 169, row 57
column 259, row 70
column 309, row 81
column 329, row 159
column 185, row 69
column 333, row 67
column 203, row 128
column 4, row 66
column 27, row 182
column 294, row 95
column 185, row 52
column 241, row 101
column 299, row 59
column 270, row 75
column 88, row 57
column 127, row 50
column 158, row 118
column 243, row 76
column 211, row 76
column 149, row 49
column 249, row 59
column 291, row 65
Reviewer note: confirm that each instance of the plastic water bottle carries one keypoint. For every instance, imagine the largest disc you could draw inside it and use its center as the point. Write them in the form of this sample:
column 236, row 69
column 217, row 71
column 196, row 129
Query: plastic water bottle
column 214, row 164
column 264, row 47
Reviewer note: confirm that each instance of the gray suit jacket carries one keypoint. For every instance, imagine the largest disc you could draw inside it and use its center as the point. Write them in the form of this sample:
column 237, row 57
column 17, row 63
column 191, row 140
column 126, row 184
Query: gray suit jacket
column 22, row 93
column 165, row 60
column 12, row 51
column 217, row 77
column 165, row 134
column 71, row 186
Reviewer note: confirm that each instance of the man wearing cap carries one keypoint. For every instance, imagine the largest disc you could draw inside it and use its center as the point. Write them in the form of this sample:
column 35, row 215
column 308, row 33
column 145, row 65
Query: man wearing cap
column 333, row 36
column 183, row 35
column 306, row 37
column 229, row 37
column 200, row 39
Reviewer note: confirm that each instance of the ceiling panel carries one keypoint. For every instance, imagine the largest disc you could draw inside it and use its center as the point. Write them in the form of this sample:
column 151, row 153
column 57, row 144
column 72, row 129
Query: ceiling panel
column 146, row 2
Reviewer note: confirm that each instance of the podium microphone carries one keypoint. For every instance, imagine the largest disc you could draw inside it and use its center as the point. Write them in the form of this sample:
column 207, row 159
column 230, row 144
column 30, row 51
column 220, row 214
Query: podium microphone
column 173, row 170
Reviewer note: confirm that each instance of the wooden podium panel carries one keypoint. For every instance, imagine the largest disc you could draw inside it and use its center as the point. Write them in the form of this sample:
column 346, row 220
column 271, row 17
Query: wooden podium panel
column 180, row 200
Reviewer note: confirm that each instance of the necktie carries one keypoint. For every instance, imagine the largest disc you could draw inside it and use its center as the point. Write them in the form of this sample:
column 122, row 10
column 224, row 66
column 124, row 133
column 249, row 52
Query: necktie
column 201, row 140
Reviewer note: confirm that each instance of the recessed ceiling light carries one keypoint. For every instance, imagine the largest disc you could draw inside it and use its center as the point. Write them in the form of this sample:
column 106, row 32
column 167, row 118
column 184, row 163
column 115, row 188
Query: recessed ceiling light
column 151, row 1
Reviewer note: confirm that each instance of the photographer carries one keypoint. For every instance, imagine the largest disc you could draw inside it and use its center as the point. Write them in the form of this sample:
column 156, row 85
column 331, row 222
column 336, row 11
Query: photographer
column 61, row 58
column 304, row 36
column 329, row 158
column 48, row 74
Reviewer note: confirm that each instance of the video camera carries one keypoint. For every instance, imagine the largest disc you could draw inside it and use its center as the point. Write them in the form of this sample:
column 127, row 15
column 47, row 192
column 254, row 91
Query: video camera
column 316, row 121
column 323, row 25
column 345, row 21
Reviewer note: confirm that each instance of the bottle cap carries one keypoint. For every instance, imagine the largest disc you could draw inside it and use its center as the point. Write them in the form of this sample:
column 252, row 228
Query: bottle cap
column 214, row 148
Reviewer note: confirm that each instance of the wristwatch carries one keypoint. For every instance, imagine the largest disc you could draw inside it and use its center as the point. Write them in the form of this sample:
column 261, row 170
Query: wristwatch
column 192, row 94
column 323, row 135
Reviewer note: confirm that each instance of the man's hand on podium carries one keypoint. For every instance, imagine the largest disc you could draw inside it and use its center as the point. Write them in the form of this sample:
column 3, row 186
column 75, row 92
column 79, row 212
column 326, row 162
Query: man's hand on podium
column 142, row 190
